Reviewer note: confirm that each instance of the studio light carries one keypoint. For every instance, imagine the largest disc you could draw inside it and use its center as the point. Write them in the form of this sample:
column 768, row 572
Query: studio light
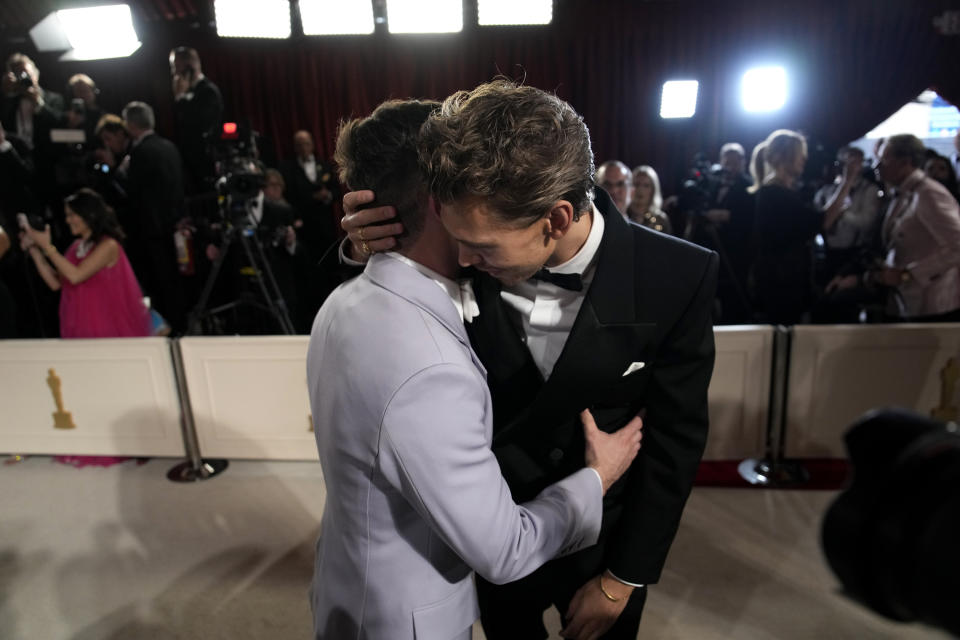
column 764, row 89
column 245, row 19
column 679, row 98
column 89, row 33
column 425, row 16
column 511, row 12
column 335, row 17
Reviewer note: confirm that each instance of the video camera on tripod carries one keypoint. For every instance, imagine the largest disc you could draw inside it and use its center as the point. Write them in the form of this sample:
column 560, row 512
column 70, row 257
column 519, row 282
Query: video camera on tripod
column 239, row 183
column 700, row 187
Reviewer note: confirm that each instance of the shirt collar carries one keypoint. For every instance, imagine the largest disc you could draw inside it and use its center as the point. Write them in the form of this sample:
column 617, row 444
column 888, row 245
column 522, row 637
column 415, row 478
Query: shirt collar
column 461, row 293
column 911, row 182
column 309, row 159
column 584, row 257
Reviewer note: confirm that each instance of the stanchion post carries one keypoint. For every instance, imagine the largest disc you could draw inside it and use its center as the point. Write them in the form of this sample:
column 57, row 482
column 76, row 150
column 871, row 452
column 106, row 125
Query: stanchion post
column 195, row 468
column 774, row 469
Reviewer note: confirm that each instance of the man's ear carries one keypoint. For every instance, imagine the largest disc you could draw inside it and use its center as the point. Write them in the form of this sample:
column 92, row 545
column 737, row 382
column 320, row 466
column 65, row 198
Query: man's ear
column 559, row 219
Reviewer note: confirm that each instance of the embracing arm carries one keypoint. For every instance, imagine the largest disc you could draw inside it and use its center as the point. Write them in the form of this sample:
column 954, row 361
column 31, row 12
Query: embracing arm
column 435, row 450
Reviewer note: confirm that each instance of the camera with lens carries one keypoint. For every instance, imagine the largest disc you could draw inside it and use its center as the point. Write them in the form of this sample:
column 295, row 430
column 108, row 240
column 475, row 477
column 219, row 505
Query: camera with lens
column 891, row 536
column 701, row 184
column 24, row 80
column 239, row 174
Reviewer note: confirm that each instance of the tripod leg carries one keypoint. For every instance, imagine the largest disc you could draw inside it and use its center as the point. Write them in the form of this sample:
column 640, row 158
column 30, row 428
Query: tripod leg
column 268, row 286
column 200, row 310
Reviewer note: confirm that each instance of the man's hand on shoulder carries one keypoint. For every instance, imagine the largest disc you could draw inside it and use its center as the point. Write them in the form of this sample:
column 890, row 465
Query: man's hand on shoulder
column 595, row 608
column 363, row 226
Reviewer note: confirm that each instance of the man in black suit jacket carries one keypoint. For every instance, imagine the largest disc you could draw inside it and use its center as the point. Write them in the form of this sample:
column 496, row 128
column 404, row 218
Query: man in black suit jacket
column 578, row 309
column 198, row 109
column 155, row 203
column 28, row 112
column 312, row 188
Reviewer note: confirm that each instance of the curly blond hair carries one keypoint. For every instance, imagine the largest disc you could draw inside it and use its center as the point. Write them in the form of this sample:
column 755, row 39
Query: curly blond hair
column 517, row 148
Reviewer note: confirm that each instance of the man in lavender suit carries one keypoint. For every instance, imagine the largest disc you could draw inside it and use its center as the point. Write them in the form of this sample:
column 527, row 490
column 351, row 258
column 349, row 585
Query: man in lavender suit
column 403, row 420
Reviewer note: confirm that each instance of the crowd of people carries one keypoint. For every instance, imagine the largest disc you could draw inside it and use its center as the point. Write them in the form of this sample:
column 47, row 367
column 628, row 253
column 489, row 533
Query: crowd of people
column 872, row 240
column 99, row 212
column 878, row 239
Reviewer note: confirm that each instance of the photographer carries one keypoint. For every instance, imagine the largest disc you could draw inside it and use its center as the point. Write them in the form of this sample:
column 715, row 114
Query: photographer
column 28, row 112
column 99, row 295
column 27, row 109
column 722, row 220
column 83, row 112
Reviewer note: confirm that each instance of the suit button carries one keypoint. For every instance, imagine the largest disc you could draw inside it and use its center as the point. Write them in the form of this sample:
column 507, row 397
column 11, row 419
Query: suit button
column 556, row 456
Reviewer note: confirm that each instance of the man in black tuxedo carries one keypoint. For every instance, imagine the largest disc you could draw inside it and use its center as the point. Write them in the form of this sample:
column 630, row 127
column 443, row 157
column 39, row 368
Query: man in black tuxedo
column 578, row 309
column 154, row 182
column 198, row 109
column 311, row 188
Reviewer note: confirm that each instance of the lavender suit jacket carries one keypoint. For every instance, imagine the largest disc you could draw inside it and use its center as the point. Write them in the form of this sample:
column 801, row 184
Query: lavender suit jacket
column 415, row 500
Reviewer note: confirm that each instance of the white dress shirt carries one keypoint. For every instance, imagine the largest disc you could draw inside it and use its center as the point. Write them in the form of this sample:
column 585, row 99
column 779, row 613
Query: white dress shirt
column 461, row 293
column 310, row 168
column 547, row 312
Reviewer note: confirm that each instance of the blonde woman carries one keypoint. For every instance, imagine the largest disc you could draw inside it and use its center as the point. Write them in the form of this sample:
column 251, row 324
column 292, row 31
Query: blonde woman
column 785, row 224
column 645, row 208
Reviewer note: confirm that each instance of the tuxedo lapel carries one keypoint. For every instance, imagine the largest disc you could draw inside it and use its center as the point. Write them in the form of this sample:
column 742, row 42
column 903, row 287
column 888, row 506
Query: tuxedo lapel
column 605, row 336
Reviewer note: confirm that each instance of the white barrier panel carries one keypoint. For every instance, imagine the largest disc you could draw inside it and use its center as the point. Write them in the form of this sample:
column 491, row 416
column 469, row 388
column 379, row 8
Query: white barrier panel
column 89, row 397
column 249, row 396
column 837, row 373
column 739, row 393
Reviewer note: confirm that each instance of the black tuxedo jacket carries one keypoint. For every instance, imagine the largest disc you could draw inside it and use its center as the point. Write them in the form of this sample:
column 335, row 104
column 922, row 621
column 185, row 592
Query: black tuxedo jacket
column 154, row 188
column 198, row 123
column 319, row 229
column 650, row 301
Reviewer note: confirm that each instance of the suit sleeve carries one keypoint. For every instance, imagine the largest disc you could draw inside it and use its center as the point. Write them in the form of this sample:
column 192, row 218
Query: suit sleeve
column 675, row 433
column 435, row 450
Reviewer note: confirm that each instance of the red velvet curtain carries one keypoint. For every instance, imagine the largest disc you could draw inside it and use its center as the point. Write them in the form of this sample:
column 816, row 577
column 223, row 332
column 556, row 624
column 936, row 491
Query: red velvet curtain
column 851, row 63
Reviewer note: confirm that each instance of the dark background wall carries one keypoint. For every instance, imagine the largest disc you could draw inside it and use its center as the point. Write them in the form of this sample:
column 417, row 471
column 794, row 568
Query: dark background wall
column 851, row 63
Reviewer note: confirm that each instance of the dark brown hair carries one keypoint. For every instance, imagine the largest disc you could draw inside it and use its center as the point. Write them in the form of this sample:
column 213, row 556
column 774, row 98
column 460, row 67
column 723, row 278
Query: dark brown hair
column 99, row 216
column 379, row 153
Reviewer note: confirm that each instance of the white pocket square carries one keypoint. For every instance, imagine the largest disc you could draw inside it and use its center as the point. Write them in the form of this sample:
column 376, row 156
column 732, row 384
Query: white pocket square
column 636, row 366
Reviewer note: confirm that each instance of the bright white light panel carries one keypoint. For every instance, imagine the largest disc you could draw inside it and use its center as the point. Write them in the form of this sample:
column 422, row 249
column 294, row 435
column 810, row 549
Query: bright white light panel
column 336, row 17
column 99, row 32
column 512, row 12
column 679, row 98
column 764, row 89
column 252, row 19
column 425, row 16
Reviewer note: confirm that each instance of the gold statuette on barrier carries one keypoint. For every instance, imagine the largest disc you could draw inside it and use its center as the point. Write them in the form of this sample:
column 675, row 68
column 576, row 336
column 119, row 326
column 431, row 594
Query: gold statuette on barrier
column 61, row 419
column 949, row 375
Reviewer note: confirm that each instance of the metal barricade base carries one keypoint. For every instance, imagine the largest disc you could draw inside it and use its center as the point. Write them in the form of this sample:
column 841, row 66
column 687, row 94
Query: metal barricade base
column 767, row 473
column 188, row 472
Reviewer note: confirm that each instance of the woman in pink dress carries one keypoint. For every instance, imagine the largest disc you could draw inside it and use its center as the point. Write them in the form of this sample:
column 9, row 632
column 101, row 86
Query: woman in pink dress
column 99, row 295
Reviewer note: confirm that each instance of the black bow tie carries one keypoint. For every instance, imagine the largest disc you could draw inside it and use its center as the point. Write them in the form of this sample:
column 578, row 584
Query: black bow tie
column 569, row 281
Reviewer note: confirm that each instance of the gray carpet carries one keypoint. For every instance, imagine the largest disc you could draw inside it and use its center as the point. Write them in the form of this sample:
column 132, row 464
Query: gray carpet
column 121, row 553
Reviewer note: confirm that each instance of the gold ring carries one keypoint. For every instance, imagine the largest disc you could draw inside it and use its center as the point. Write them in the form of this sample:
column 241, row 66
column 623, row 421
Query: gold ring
column 360, row 234
column 365, row 247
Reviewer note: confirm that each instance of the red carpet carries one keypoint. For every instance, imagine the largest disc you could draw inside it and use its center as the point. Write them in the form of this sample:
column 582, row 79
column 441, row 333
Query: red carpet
column 826, row 474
